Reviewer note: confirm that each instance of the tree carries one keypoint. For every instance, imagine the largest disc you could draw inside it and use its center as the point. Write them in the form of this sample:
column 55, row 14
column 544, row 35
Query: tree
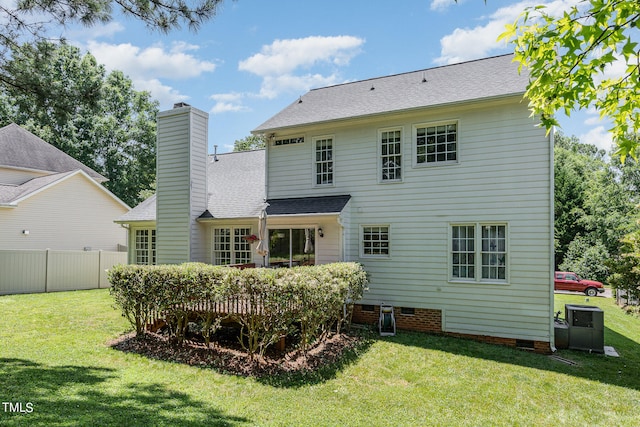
column 570, row 58
column 251, row 142
column 33, row 21
column 112, row 131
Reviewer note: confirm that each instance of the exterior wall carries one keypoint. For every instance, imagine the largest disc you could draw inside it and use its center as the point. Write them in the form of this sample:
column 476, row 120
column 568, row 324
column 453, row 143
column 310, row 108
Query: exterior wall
column 504, row 175
column 181, row 184
column 17, row 176
column 71, row 215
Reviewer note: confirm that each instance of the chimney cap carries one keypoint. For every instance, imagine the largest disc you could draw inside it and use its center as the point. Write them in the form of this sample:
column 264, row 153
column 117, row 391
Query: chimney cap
column 181, row 104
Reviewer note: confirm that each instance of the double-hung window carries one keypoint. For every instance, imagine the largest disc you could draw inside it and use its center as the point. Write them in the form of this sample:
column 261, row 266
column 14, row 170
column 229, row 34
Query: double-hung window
column 323, row 161
column 436, row 144
column 375, row 241
column 390, row 141
column 231, row 246
column 145, row 246
column 479, row 252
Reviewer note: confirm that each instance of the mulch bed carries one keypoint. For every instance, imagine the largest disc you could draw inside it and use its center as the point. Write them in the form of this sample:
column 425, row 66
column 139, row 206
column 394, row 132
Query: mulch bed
column 231, row 359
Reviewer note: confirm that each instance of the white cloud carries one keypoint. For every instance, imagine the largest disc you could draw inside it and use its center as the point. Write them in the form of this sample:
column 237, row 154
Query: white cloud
column 163, row 93
column 443, row 4
column 471, row 43
column 152, row 62
column 279, row 65
column 226, row 107
column 599, row 137
column 285, row 56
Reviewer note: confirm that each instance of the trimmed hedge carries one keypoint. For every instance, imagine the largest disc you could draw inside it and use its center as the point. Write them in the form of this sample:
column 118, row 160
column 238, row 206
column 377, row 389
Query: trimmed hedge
column 267, row 303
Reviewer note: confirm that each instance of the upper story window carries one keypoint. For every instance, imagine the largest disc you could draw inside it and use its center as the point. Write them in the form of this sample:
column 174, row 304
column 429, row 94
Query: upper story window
column 436, row 143
column 323, row 162
column 289, row 141
column 390, row 155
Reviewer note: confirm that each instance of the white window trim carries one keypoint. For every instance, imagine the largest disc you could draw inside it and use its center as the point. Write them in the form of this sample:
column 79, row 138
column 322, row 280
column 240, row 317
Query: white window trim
column 152, row 251
column 414, row 144
column 232, row 242
column 361, row 242
column 478, row 254
column 402, row 155
column 314, row 175
column 273, row 140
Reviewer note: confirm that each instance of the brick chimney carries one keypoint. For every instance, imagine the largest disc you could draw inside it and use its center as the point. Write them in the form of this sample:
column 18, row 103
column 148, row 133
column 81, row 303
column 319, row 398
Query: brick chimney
column 181, row 186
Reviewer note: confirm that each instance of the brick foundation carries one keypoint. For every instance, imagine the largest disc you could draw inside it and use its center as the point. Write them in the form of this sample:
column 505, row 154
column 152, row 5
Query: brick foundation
column 430, row 320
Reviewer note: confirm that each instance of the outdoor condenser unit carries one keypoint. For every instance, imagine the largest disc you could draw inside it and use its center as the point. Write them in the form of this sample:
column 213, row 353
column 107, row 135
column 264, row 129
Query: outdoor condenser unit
column 586, row 327
column 387, row 322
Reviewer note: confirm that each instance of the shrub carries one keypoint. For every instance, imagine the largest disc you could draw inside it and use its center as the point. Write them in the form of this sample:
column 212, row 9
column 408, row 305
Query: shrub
column 268, row 304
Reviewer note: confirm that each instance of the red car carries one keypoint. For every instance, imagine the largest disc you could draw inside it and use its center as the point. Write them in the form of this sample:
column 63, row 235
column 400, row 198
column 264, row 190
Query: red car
column 567, row 281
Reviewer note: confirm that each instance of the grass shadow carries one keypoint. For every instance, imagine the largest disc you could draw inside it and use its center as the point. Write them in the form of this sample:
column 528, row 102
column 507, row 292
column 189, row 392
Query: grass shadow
column 324, row 371
column 619, row 371
column 78, row 395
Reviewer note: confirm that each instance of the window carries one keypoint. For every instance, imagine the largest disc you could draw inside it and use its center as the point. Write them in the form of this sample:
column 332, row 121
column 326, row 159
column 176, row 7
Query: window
column 230, row 246
column 324, row 161
column 288, row 141
column 436, row 144
column 492, row 252
column 375, row 241
column 145, row 246
column 463, row 251
column 391, row 155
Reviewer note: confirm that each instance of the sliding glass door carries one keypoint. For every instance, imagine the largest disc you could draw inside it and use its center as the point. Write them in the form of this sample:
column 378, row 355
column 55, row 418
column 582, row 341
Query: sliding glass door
column 289, row 247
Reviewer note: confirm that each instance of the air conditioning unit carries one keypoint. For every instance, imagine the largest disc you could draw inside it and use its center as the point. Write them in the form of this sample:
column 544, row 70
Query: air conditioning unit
column 586, row 327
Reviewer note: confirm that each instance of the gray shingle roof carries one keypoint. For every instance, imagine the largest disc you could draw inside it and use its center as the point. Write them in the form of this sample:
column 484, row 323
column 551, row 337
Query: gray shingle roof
column 9, row 194
column 308, row 205
column 235, row 185
column 474, row 80
column 20, row 148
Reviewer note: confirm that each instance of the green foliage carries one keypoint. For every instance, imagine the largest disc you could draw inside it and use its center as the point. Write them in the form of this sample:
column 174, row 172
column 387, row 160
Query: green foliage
column 251, row 142
column 267, row 303
column 95, row 117
column 595, row 199
column 626, row 267
column 570, row 58
column 587, row 259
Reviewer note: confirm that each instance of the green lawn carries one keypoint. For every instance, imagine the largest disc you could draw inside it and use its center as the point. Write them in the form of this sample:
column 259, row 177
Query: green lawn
column 53, row 354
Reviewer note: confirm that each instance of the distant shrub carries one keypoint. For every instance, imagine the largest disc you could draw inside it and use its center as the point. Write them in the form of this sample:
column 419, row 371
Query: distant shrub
column 267, row 303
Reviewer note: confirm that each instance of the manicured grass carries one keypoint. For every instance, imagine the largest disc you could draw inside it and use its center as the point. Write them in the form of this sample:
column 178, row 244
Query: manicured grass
column 53, row 354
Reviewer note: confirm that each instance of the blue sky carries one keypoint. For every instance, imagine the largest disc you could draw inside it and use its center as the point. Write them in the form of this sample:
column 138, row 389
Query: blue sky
column 257, row 56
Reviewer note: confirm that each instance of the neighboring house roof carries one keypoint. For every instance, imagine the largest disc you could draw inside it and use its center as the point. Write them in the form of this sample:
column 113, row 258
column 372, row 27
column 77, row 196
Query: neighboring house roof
column 235, row 184
column 12, row 195
column 21, row 149
column 308, row 205
column 474, row 80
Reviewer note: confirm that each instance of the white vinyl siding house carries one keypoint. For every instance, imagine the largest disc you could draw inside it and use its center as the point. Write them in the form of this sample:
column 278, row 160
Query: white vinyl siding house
column 48, row 200
column 479, row 163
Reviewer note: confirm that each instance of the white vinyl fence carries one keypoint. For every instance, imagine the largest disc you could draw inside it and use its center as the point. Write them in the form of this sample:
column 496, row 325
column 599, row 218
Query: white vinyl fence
column 32, row 271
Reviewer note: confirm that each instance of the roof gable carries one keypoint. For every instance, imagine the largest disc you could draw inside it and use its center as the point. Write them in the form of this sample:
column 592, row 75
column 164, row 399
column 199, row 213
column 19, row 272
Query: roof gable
column 21, row 149
column 474, row 80
column 12, row 195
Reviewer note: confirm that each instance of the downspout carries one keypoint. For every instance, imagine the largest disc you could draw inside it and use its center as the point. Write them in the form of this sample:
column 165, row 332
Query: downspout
column 552, row 332
column 342, row 239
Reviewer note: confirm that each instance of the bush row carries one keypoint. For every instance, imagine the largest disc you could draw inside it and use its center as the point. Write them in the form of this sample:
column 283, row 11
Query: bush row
column 267, row 303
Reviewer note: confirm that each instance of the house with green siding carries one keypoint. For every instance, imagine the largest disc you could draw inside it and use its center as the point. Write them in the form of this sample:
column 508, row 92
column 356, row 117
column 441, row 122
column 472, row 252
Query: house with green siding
column 438, row 181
